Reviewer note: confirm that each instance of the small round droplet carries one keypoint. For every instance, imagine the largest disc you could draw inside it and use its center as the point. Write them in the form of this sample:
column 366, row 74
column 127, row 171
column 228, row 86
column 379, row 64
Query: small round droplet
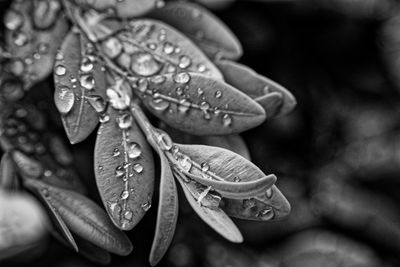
column 144, row 64
column 124, row 194
column 201, row 67
column 184, row 62
column 138, row 168
column 104, row 118
column 205, row 106
column 128, row 215
column 226, row 120
column 87, row 82
column 64, row 99
column 124, row 121
column 13, row 20
column 268, row 193
column 200, row 91
column 168, row 48
column 205, row 167
column 236, row 179
column 152, row 46
column 158, row 104
column 98, row 103
column 134, row 150
column 142, row 85
column 60, row 70
column 20, row 38
column 184, row 105
column 185, row 162
column 112, row 47
column 86, row 65
column 182, row 77
column 43, row 48
column 165, row 142
column 179, row 91
column 146, row 206
column 218, row 94
column 116, row 152
column 119, row 172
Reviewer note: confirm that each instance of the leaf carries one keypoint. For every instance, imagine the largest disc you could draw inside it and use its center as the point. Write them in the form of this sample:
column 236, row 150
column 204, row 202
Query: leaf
column 209, row 212
column 167, row 212
column 85, row 218
column 226, row 172
column 8, row 174
column 200, row 25
column 199, row 105
column 121, row 9
column 258, row 87
column 32, row 47
column 80, row 86
column 144, row 48
column 124, row 169
column 93, row 252
column 272, row 205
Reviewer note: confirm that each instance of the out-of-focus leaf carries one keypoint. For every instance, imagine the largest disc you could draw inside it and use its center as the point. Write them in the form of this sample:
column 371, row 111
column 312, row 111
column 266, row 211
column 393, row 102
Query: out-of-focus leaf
column 167, row 212
column 93, row 252
column 33, row 48
column 272, row 205
column 204, row 28
column 148, row 47
column 124, row 169
column 209, row 211
column 226, row 172
column 8, row 174
column 275, row 99
column 23, row 223
column 80, row 86
column 121, row 9
column 199, row 105
column 85, row 218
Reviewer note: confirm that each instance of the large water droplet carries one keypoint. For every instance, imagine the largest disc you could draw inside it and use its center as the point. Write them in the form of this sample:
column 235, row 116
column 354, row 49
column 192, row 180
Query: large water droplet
column 124, row 121
column 182, row 77
column 98, row 103
column 112, row 47
column 104, row 118
column 184, row 105
column 184, row 62
column 87, row 81
column 13, row 20
column 124, row 194
column 64, row 99
column 118, row 100
column 86, row 65
column 128, row 215
column 168, row 48
column 185, row 162
column 124, row 60
column 20, row 38
column 138, row 168
column 158, row 104
column 60, row 70
column 134, row 150
column 205, row 167
column 144, row 64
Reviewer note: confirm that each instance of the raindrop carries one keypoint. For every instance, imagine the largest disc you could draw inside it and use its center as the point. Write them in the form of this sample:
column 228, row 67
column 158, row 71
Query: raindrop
column 226, row 120
column 184, row 105
column 158, row 104
column 134, row 150
column 266, row 213
column 177, row 50
column 124, row 194
column 138, row 168
column 13, row 20
column 168, row 48
column 128, row 215
column 144, row 64
column 201, row 67
column 64, row 99
column 124, row 121
column 104, row 118
column 119, row 171
column 185, row 162
column 59, row 55
column 20, row 38
column 179, row 91
column 146, row 206
column 98, row 103
column 87, row 81
column 204, row 106
column 60, row 70
column 236, row 179
column 268, row 193
column 43, row 48
column 86, row 65
column 184, row 62
column 142, row 85
column 112, row 47
column 116, row 152
column 182, row 77
column 158, row 79
column 205, row 167
column 171, row 68
column 218, row 94
column 152, row 46
column 200, row 91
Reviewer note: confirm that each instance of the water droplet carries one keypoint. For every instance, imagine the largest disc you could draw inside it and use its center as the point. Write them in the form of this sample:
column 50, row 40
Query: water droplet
column 184, row 62
column 98, row 103
column 158, row 104
column 171, row 68
column 146, row 206
column 124, row 121
column 201, row 67
column 59, row 55
column 177, row 50
column 116, row 152
column 160, row 3
column 119, row 100
column 152, row 46
column 158, row 79
column 175, row 150
column 134, row 150
column 13, row 20
column 266, row 213
column 179, row 91
column 128, row 215
column 145, row 64
column 20, row 38
column 101, row 168
column 205, row 167
column 112, row 47
column 268, row 193
column 124, row 60
column 138, row 168
column 60, row 70
column 64, row 99
column 86, row 65
column 142, row 85
column 205, row 106
column 200, row 91
column 168, row 48
column 43, row 48
column 185, row 162
column 119, row 172
column 45, row 192
column 218, row 94
column 182, row 77
column 104, row 118
column 226, row 120
column 87, row 81
column 165, row 142
column 184, row 105
column 236, row 179
column 124, row 194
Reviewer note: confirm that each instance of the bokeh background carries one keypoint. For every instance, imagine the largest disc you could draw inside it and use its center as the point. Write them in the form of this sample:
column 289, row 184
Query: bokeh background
column 337, row 155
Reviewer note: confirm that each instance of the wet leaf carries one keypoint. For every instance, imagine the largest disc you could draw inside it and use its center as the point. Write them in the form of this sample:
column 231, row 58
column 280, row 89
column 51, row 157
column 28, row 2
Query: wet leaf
column 204, row 28
column 124, row 169
column 199, row 105
column 148, row 48
column 209, row 211
column 167, row 212
column 226, row 172
column 33, row 48
column 121, row 9
column 80, row 86
column 8, row 174
column 275, row 99
column 272, row 205
column 85, row 218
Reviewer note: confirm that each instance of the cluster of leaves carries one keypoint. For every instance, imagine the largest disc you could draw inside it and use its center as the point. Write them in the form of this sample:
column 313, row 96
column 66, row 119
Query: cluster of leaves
column 177, row 62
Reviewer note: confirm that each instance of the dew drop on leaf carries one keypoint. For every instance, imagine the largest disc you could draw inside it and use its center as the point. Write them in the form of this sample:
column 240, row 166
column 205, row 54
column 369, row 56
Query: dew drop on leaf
column 64, row 99
column 168, row 48
column 98, row 103
column 119, row 171
column 268, row 193
column 226, row 120
column 138, row 168
column 20, row 38
column 185, row 162
column 184, row 62
column 87, row 81
column 60, row 70
column 142, row 85
column 134, row 150
column 124, row 194
column 124, row 121
column 205, row 167
column 144, row 64
column 13, row 20
column 116, row 152
column 112, row 47
column 86, row 65
column 158, row 104
column 184, row 105
column 104, row 118
column 218, row 94
column 146, row 206
column 128, row 215
column 182, row 77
